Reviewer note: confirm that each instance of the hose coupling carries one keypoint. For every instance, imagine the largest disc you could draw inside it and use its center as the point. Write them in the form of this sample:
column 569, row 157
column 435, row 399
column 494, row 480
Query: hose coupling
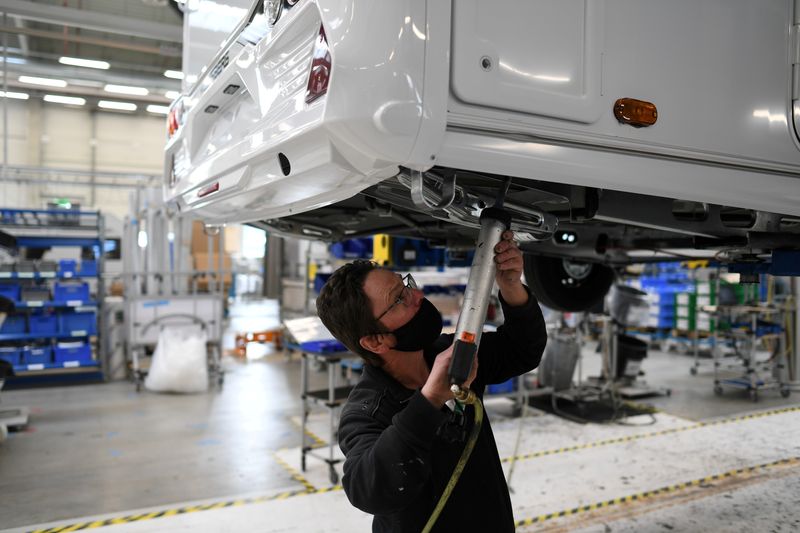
column 463, row 395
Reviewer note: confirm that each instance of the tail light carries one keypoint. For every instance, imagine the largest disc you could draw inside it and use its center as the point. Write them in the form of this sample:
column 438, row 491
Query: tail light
column 174, row 118
column 321, row 66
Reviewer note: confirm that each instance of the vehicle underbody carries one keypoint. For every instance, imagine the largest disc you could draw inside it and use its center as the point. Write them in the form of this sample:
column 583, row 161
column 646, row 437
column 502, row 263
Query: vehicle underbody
column 598, row 231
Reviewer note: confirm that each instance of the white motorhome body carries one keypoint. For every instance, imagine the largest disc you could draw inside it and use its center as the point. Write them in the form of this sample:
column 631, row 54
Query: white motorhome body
column 519, row 88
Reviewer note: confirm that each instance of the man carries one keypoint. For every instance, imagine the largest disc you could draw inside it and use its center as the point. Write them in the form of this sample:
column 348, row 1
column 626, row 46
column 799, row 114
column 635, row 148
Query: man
column 398, row 434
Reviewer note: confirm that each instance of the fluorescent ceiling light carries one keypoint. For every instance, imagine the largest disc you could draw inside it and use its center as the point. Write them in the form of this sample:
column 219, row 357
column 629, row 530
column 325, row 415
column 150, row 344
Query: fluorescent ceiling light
column 121, row 106
column 16, row 96
column 48, row 82
column 126, row 89
column 158, row 109
column 174, row 74
column 172, row 95
column 88, row 63
column 69, row 100
column 13, row 60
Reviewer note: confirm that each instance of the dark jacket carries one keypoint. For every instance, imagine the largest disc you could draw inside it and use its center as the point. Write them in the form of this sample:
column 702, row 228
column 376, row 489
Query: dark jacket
column 396, row 465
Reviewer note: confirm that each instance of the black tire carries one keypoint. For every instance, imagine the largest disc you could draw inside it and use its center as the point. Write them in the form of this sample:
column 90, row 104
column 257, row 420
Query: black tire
column 560, row 290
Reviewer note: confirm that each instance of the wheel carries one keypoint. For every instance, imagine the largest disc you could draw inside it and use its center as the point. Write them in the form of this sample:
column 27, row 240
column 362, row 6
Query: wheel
column 693, row 371
column 718, row 390
column 785, row 391
column 754, row 394
column 333, row 475
column 567, row 285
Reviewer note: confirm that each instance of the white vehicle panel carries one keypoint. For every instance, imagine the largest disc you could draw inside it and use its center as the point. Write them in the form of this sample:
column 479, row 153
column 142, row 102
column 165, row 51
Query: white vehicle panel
column 366, row 125
column 541, row 57
column 718, row 71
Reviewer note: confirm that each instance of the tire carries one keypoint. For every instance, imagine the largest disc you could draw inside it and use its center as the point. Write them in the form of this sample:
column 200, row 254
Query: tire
column 561, row 290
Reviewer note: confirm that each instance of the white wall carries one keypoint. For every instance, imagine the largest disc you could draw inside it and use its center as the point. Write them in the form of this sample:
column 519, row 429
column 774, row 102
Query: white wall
column 42, row 134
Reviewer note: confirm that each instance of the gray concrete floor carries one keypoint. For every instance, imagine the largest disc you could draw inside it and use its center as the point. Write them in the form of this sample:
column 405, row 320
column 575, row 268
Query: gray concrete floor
column 99, row 449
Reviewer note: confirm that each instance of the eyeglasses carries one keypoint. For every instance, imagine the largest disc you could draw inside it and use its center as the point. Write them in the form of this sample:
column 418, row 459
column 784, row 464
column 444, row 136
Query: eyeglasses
column 409, row 283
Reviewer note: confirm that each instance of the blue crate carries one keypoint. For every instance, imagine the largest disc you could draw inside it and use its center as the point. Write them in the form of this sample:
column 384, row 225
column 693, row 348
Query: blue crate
column 14, row 324
column 88, row 267
column 12, row 354
column 329, row 346
column 67, row 268
column 352, row 249
column 10, row 291
column 37, row 355
column 502, row 388
column 43, row 324
column 72, row 351
column 320, row 280
column 71, row 291
column 72, row 322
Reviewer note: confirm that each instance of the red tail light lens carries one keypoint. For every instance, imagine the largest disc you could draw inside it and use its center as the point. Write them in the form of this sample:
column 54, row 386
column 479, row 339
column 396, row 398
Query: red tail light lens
column 320, row 68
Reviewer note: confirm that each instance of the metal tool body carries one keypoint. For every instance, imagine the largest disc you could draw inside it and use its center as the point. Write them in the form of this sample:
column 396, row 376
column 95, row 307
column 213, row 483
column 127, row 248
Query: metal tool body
column 494, row 221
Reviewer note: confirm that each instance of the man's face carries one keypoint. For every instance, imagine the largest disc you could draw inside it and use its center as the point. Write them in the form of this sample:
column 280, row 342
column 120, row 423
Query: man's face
column 383, row 288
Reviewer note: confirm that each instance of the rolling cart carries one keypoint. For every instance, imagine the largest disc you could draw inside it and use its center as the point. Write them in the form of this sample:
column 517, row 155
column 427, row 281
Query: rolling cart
column 146, row 317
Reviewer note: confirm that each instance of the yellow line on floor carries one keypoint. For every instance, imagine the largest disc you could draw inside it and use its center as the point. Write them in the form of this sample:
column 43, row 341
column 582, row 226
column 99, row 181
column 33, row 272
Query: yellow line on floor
column 318, row 442
column 629, row 438
column 651, row 493
column 297, row 476
column 183, row 510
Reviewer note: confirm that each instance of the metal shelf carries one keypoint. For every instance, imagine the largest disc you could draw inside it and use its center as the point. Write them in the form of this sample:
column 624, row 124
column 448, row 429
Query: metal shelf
column 55, row 303
column 10, row 337
column 67, row 367
column 43, row 275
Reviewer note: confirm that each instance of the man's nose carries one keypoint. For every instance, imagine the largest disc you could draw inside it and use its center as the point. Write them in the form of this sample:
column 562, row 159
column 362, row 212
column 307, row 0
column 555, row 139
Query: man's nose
column 416, row 296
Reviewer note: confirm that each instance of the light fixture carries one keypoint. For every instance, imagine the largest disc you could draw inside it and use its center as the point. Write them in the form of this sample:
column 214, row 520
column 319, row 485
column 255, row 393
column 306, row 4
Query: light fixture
column 172, row 95
column 272, row 9
column 119, row 106
column 141, row 239
column 15, row 96
column 88, row 63
column 174, row 74
column 59, row 99
column 158, row 109
column 47, row 82
column 126, row 89
column 13, row 60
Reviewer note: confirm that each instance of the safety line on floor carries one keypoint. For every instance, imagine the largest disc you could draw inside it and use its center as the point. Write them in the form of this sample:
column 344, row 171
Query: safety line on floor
column 656, row 492
column 296, row 475
column 79, row 526
column 629, row 438
column 318, row 442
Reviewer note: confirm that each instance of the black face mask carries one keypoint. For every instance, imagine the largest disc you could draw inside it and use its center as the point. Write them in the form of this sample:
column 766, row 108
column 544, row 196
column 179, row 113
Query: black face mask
column 424, row 328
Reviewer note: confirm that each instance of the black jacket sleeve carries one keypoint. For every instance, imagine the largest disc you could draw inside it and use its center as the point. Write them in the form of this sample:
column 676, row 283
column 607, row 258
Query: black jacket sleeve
column 516, row 347
column 387, row 461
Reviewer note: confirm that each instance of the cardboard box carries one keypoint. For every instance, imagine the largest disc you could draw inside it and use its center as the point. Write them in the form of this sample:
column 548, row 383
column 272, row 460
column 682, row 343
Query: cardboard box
column 203, row 262
column 233, row 237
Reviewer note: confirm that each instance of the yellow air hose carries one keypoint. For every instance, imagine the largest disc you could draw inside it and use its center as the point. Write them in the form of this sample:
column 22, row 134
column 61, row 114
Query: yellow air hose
column 465, row 396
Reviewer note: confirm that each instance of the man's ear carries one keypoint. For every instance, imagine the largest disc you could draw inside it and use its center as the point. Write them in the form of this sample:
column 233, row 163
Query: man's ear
column 379, row 343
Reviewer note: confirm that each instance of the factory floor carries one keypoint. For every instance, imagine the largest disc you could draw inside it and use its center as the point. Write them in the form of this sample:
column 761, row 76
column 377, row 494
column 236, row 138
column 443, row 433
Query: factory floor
column 103, row 456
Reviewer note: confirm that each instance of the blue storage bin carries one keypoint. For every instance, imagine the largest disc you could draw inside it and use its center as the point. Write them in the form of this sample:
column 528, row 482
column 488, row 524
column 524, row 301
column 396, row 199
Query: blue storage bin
column 14, row 324
column 72, row 351
column 323, row 346
column 502, row 388
column 78, row 323
column 88, row 267
column 67, row 268
column 10, row 291
column 12, row 354
column 71, row 291
column 43, row 324
column 37, row 355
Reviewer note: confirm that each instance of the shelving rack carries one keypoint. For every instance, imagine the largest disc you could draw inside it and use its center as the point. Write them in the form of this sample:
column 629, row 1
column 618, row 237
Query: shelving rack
column 37, row 228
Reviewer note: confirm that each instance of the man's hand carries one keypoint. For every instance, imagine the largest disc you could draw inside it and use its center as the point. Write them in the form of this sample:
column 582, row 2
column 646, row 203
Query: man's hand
column 508, row 259
column 437, row 387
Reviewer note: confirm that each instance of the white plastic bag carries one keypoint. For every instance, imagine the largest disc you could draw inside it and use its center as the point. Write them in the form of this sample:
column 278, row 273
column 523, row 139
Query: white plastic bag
column 179, row 361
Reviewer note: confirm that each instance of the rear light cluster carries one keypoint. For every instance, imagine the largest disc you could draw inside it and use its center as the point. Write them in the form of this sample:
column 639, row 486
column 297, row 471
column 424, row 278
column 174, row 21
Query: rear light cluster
column 174, row 118
column 321, row 66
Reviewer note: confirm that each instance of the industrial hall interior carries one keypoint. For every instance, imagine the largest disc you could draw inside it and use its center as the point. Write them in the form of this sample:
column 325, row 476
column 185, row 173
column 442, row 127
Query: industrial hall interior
column 320, row 266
